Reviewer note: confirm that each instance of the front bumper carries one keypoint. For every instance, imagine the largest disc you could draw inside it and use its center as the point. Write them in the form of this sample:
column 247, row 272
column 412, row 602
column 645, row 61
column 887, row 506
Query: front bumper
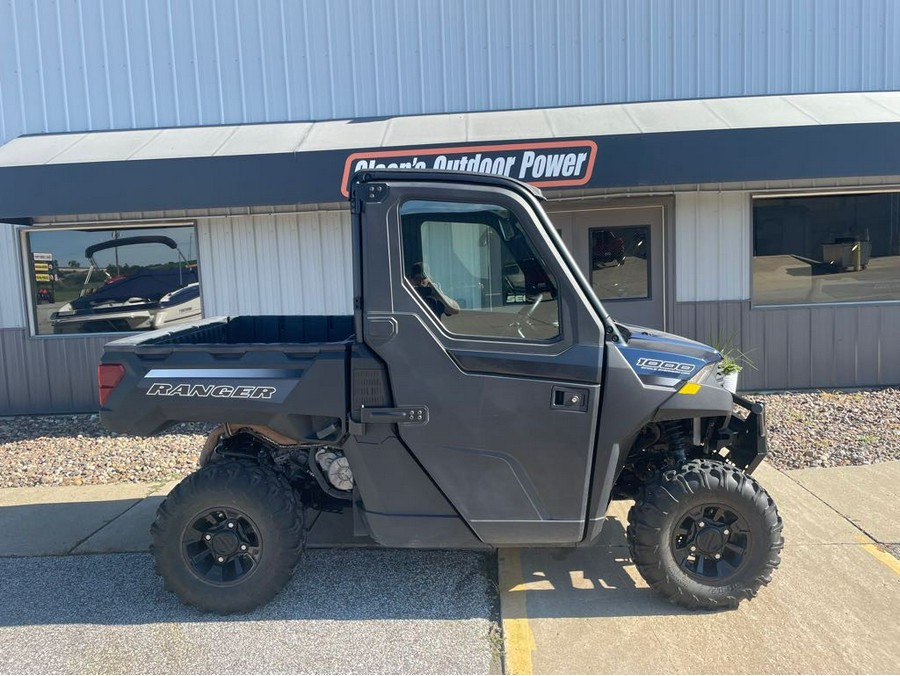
column 746, row 437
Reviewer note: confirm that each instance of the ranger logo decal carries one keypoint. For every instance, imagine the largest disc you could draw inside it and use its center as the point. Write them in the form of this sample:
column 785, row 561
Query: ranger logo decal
column 217, row 391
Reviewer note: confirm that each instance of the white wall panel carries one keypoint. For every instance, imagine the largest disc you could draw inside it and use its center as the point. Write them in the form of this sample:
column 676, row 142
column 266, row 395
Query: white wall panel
column 70, row 65
column 712, row 246
column 12, row 298
column 276, row 264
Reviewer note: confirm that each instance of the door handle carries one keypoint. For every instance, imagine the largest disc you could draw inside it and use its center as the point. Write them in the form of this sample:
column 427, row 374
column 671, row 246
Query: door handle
column 403, row 415
column 569, row 398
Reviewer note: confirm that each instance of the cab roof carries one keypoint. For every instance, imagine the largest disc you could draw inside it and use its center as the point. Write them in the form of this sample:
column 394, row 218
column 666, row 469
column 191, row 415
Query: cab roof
column 443, row 176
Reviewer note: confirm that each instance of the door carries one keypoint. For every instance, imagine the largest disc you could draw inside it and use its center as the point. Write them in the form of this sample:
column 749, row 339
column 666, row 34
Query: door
column 620, row 250
column 492, row 347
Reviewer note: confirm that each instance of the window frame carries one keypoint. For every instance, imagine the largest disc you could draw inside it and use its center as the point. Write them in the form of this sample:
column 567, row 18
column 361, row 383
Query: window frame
column 28, row 283
column 805, row 194
column 513, row 208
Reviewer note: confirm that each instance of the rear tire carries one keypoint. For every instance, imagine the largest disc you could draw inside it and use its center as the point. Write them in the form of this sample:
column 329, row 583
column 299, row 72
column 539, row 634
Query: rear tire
column 705, row 535
column 227, row 538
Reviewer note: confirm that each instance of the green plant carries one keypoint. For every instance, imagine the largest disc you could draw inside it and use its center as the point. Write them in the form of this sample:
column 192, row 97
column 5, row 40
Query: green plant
column 733, row 358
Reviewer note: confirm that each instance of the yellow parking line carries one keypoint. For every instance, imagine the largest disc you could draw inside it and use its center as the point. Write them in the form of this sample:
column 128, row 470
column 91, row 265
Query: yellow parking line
column 884, row 557
column 517, row 636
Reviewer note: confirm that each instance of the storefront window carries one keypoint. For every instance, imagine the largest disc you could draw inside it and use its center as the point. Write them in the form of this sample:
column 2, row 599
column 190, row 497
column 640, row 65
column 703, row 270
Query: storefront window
column 113, row 280
column 620, row 262
column 831, row 249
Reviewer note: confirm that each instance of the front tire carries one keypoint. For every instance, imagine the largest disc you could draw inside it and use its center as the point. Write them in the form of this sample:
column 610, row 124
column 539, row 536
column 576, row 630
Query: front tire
column 705, row 535
column 227, row 538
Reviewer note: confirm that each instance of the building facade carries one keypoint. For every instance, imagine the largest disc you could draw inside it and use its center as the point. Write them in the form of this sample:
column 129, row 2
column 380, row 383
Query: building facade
column 742, row 185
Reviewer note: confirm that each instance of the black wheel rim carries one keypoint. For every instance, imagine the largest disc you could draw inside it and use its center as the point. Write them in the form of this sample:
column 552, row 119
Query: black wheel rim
column 711, row 542
column 222, row 546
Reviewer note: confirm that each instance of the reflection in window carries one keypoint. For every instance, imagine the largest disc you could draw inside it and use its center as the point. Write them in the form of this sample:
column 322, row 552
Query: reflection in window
column 826, row 249
column 620, row 262
column 473, row 267
column 127, row 279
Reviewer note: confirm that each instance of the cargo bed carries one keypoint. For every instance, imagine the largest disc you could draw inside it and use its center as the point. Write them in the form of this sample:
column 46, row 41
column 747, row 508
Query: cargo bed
column 287, row 372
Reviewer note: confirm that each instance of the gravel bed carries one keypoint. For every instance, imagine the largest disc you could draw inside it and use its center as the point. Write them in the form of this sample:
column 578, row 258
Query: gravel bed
column 830, row 429
column 72, row 450
column 806, row 429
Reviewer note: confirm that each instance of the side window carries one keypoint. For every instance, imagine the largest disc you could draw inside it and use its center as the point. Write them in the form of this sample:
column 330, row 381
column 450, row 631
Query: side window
column 475, row 270
column 620, row 262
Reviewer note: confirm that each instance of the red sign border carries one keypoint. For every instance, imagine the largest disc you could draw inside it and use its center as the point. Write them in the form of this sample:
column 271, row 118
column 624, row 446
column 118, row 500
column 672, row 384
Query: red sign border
column 406, row 152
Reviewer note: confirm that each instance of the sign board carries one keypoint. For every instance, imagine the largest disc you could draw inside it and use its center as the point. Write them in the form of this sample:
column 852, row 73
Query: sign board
column 45, row 257
column 42, row 267
column 42, row 277
column 545, row 164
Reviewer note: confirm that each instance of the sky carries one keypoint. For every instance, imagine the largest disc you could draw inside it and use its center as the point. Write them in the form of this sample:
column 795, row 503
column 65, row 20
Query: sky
column 66, row 245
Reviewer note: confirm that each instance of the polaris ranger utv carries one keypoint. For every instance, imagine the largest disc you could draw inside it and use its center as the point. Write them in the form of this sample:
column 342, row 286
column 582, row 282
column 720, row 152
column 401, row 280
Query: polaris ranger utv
column 479, row 396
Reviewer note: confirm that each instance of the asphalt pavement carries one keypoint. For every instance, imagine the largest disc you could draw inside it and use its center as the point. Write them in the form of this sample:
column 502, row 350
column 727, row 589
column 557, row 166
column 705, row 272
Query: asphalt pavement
column 346, row 611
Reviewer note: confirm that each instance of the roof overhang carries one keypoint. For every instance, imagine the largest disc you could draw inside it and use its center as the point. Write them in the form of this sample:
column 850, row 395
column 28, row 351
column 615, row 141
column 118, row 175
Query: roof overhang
column 623, row 145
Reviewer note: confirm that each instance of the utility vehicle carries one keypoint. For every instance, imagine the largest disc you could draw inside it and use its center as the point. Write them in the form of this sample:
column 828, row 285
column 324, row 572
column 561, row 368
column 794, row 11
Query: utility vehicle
column 511, row 422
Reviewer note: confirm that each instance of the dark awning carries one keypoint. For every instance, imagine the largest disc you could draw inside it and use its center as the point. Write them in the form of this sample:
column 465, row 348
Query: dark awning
column 628, row 145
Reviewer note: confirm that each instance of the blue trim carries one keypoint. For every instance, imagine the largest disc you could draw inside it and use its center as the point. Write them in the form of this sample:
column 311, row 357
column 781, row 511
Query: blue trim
column 201, row 374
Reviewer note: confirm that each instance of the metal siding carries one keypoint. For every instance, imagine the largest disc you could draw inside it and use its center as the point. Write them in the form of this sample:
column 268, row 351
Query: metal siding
column 122, row 64
column 49, row 375
column 889, row 352
column 799, row 339
column 803, row 347
column 276, row 264
column 82, row 66
column 712, row 246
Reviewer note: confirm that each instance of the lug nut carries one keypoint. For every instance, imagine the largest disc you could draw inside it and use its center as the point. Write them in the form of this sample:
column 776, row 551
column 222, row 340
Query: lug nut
column 230, row 525
column 243, row 548
column 207, row 537
column 701, row 524
column 693, row 549
column 221, row 559
column 726, row 532
column 718, row 556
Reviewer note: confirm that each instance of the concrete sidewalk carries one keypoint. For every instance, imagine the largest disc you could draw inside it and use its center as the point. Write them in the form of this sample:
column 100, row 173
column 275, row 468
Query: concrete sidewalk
column 831, row 608
column 112, row 518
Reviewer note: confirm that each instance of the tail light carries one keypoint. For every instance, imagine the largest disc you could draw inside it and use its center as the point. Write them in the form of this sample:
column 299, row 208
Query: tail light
column 108, row 376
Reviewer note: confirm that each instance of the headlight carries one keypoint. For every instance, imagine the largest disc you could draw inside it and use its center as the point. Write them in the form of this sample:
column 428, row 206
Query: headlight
column 705, row 372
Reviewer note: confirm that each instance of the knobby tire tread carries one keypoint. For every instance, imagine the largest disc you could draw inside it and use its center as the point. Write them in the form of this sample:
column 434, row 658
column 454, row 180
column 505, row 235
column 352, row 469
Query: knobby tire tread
column 250, row 484
column 649, row 531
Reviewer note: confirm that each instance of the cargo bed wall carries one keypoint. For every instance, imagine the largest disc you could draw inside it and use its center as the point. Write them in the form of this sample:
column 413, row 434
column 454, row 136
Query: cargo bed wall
column 266, row 329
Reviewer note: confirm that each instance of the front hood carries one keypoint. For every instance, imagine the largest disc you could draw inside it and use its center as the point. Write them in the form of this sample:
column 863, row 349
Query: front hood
column 664, row 358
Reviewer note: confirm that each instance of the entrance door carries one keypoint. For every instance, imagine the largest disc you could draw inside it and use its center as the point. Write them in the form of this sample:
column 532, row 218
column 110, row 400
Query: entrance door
column 620, row 250
column 489, row 342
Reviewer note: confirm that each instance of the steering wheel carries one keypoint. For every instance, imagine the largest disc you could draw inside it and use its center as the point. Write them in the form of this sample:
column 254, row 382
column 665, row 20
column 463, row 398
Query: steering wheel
column 524, row 317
